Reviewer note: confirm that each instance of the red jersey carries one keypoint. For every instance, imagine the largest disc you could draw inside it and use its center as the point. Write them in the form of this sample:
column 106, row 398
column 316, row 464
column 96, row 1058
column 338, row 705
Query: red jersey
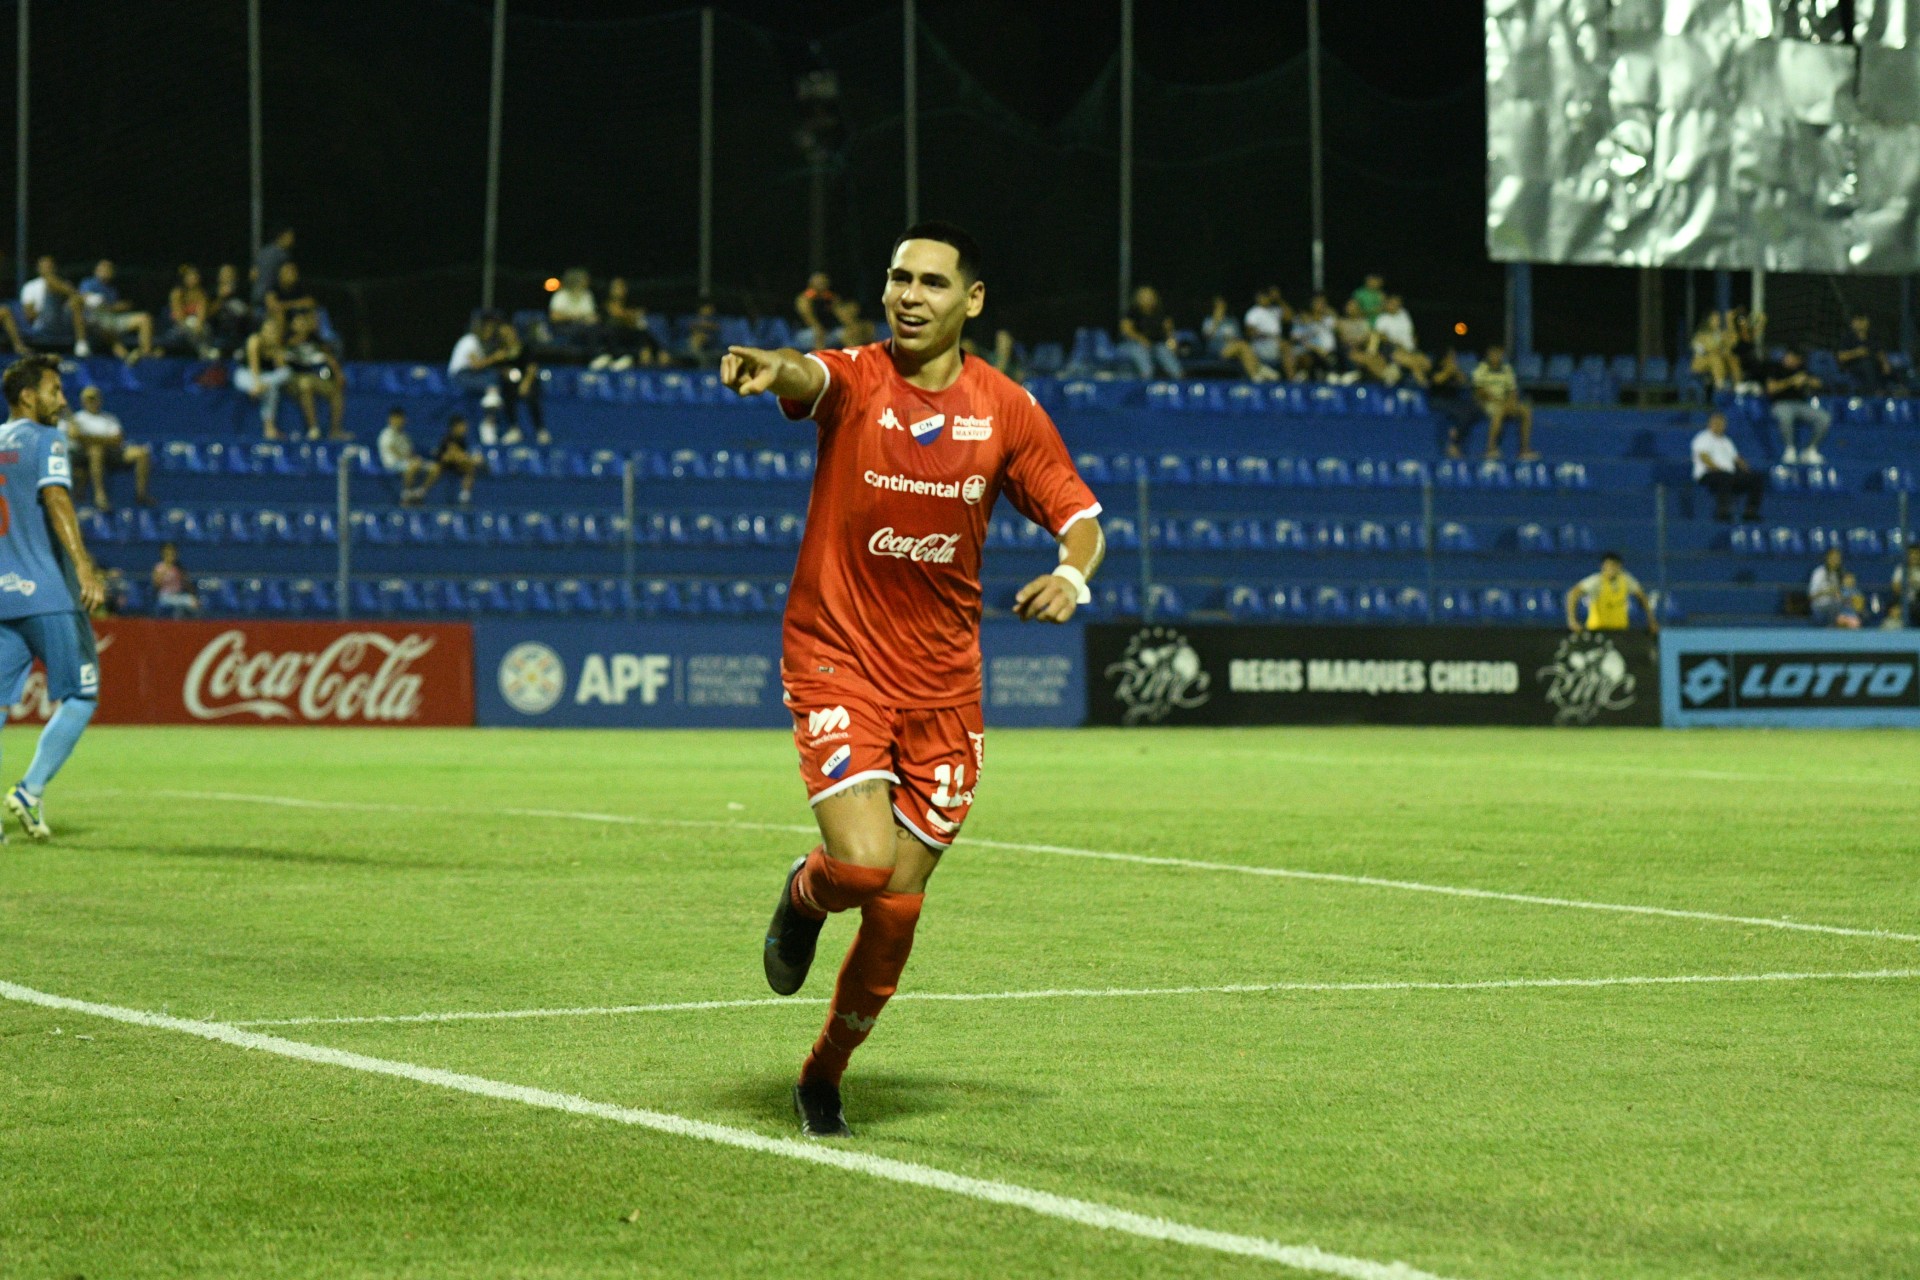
column 888, row 580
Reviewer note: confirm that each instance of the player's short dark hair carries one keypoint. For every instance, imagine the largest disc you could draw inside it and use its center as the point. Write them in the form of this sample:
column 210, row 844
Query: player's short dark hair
column 963, row 244
column 1614, row 556
column 26, row 375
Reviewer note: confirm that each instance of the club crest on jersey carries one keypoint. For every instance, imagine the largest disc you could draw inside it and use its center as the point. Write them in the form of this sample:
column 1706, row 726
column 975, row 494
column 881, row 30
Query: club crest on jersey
column 835, row 765
column 927, row 430
column 965, row 428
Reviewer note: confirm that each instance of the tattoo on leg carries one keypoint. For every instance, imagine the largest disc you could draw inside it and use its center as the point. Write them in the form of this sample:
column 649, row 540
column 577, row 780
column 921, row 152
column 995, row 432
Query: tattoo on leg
column 867, row 787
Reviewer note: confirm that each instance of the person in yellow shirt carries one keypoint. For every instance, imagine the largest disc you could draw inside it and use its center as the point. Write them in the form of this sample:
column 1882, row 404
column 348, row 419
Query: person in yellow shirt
column 1606, row 595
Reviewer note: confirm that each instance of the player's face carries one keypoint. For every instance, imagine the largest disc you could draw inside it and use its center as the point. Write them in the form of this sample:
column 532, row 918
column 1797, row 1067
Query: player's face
column 46, row 403
column 1609, row 569
column 927, row 300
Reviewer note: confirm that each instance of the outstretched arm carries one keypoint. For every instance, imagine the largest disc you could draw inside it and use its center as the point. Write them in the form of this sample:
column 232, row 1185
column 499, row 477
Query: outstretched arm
column 1653, row 623
column 1573, row 609
column 786, row 373
column 1052, row 597
column 66, row 530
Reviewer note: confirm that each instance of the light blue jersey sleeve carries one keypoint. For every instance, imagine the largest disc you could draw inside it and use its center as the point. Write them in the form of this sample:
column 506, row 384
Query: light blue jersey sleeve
column 54, row 465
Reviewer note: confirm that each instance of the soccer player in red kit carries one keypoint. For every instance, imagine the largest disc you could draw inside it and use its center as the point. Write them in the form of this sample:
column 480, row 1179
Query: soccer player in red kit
column 881, row 652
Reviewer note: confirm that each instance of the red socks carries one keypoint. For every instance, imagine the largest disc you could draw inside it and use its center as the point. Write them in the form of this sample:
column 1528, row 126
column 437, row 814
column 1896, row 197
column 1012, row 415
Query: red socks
column 868, row 979
column 827, row 885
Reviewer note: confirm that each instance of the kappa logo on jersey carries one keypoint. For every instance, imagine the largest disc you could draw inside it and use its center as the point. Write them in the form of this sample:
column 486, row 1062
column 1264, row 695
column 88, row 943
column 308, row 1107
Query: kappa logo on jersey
column 927, row 430
column 973, row 428
column 831, row 720
column 890, row 421
column 933, row 548
column 835, row 765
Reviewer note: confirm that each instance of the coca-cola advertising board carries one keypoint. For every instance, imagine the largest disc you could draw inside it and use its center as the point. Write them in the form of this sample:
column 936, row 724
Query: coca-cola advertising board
column 243, row 672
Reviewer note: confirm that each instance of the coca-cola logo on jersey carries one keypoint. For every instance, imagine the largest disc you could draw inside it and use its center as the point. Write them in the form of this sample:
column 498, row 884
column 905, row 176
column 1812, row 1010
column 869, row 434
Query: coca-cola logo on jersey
column 932, row 548
column 360, row 676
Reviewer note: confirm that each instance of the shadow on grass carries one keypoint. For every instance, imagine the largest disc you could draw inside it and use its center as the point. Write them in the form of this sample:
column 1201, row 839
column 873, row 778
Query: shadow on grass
column 875, row 1098
column 260, row 853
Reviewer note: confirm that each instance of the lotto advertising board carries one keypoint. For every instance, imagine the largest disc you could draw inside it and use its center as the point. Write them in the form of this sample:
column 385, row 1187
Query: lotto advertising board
column 1233, row 675
column 318, row 673
column 1781, row 677
column 723, row 675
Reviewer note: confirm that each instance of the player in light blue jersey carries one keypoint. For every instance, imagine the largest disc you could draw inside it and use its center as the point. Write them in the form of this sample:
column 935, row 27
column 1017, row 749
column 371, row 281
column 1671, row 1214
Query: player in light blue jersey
column 48, row 582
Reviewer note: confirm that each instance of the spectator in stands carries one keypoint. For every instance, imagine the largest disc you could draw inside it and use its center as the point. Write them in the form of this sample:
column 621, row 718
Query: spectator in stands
column 1788, row 386
column 1371, row 296
column 1315, row 344
column 398, row 458
column 1833, row 594
column 273, row 255
column 229, row 315
column 316, row 374
column 1606, row 596
column 1221, row 332
column 491, row 362
column 1265, row 327
column 173, row 593
column 97, row 440
column 288, row 297
column 1904, row 608
column 1713, row 352
column 1451, row 396
column 1862, row 359
column 1360, row 347
column 814, row 306
column 1720, row 470
column 624, row 332
column 454, row 454
column 1745, row 334
column 1399, row 345
column 264, row 372
column 1006, row 355
column 572, row 313
column 1497, row 390
column 702, row 349
column 112, row 317
column 1146, row 337
column 188, row 310
column 854, row 330
column 10, row 316
column 52, row 309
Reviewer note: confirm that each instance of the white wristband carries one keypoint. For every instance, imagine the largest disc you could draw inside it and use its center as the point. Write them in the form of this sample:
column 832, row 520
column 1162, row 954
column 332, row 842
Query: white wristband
column 1078, row 579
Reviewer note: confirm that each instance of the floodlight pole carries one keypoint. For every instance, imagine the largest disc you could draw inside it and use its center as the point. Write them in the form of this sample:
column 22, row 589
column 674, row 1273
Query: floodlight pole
column 492, row 234
column 911, row 53
column 706, row 151
column 256, row 135
column 20, row 155
column 1126, row 154
column 1757, row 303
column 1315, row 146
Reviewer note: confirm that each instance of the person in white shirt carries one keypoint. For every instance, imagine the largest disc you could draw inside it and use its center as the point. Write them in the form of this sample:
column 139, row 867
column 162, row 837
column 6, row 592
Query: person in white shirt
column 572, row 312
column 1720, row 470
column 51, row 306
column 98, row 439
column 1833, row 594
column 398, row 458
column 1396, row 326
column 1266, row 325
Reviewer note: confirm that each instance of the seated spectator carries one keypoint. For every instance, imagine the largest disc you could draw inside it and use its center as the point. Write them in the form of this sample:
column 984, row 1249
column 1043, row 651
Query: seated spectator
column 188, row 310
column 1360, row 346
column 572, row 314
column 1720, row 470
column 229, row 315
column 1146, row 337
column 173, row 593
column 1316, row 345
column 1606, row 595
column 456, row 455
column 97, row 440
column 267, row 263
column 1395, row 327
column 112, row 317
column 814, row 307
column 1713, row 352
column 1006, row 355
column 1788, row 386
column 52, row 310
column 397, row 458
column 702, row 348
column 264, row 372
column 625, row 335
column 1834, row 594
column 491, row 362
column 288, row 296
column 1862, row 359
column 316, row 373
column 1904, row 608
column 854, row 330
column 1221, row 332
column 1372, row 297
column 1744, row 335
column 1497, row 391
column 1451, row 396
column 1265, row 326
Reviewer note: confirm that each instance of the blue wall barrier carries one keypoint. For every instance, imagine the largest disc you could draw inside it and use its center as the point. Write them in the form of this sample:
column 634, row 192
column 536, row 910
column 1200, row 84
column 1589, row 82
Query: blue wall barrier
column 1789, row 678
column 619, row 675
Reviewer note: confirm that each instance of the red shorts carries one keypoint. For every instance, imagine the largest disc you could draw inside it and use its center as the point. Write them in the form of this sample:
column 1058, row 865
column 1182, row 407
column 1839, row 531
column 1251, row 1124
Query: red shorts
column 846, row 733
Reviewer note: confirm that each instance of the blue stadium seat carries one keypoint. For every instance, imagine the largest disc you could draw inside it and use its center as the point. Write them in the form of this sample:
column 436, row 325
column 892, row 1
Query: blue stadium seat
column 745, row 598
column 1452, row 536
column 366, row 599
column 1532, row 475
column 1332, row 471
column 1496, row 603
column 1331, row 535
column 399, row 596
column 1493, row 474
column 1244, row 397
column 1371, row 473
column 1897, row 479
column 1820, row 538
column 1534, row 538
column 1529, row 367
column 1092, row 468
column 1559, row 368
column 572, row 596
column 1574, row 537
column 1245, row 603
column 1290, row 535
column 1786, row 542
column 1455, row 605
column 1746, row 540
column 1212, row 469
column 1373, row 604
column 1331, row 604
column 1205, row 535
column 1452, row 474
column 485, row 595
column 1251, row 470
column 1289, row 603
column 1371, row 535
column 1122, row 533
column 1167, row 602
column 1172, row 469
column 1409, row 535
column 1410, row 605
column 1412, row 473
column 1535, row 606
column 1863, row 542
column 1572, row 475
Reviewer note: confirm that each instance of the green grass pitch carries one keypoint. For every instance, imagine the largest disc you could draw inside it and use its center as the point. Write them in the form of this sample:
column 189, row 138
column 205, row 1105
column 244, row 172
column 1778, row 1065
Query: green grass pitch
column 1494, row 1132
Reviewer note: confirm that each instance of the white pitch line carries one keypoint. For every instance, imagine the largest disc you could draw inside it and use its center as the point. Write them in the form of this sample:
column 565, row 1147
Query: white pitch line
column 1067, row 851
column 1093, row 993
column 1085, row 1213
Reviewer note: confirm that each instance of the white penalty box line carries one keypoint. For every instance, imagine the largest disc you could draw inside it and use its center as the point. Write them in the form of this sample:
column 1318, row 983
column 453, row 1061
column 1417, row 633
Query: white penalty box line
column 1086, row 1213
column 1095, row 993
column 1068, row 851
